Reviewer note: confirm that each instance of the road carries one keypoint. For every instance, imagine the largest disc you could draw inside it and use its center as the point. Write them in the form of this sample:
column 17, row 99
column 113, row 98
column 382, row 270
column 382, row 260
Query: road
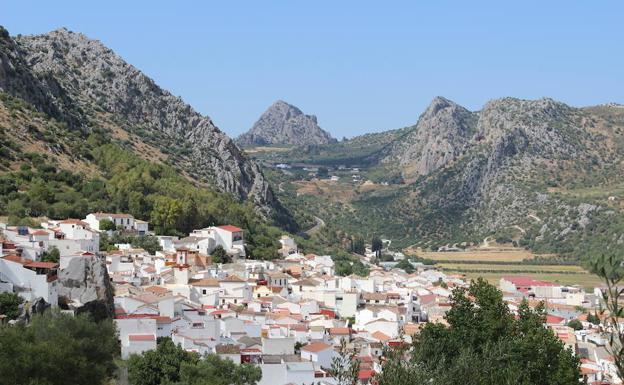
column 319, row 224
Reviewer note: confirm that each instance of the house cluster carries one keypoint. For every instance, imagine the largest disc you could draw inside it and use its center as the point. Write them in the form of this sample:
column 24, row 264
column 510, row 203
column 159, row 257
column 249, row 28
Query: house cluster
column 22, row 269
column 564, row 304
column 288, row 316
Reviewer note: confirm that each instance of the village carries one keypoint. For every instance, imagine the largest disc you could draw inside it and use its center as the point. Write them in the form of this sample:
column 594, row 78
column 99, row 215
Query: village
column 288, row 316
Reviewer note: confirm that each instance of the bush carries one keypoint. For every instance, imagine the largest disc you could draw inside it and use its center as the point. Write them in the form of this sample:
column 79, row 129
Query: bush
column 170, row 364
column 57, row 349
column 9, row 305
column 575, row 324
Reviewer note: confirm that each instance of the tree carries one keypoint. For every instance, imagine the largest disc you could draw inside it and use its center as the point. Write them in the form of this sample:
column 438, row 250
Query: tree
column 610, row 269
column 593, row 318
column 170, row 364
column 219, row 255
column 357, row 245
column 483, row 344
column 345, row 367
column 213, row 370
column 575, row 324
column 160, row 366
column 9, row 305
column 56, row 349
column 376, row 245
column 146, row 242
column 107, row 225
column 405, row 265
column 51, row 255
column 322, row 172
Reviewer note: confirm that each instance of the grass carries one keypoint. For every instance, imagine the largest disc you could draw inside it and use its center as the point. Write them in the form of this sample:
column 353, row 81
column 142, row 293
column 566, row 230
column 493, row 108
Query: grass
column 265, row 149
column 585, row 280
column 564, row 269
column 476, row 265
column 499, row 255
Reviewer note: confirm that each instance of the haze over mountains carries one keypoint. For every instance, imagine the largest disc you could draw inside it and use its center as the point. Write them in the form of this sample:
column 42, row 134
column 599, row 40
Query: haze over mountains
column 283, row 123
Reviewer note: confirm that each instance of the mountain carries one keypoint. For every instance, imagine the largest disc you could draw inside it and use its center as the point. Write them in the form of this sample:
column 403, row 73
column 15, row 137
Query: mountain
column 86, row 86
column 540, row 172
column 441, row 135
column 283, row 123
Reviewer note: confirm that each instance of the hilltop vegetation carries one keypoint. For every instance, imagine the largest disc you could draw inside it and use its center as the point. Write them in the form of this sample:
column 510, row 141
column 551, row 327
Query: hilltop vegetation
column 536, row 174
column 112, row 178
column 86, row 88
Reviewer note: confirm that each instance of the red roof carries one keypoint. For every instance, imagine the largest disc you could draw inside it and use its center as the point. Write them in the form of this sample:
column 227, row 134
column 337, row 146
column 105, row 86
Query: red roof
column 40, row 232
column 316, row 347
column 41, row 265
column 74, row 222
column 339, row 331
column 554, row 319
column 142, row 337
column 14, row 258
column 366, row 374
column 526, row 281
column 230, row 228
column 380, row 336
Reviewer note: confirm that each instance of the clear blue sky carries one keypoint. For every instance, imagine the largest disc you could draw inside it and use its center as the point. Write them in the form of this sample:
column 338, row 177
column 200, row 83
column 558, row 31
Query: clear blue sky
column 359, row 66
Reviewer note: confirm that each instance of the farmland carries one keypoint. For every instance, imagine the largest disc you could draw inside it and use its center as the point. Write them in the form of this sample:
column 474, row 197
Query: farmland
column 492, row 263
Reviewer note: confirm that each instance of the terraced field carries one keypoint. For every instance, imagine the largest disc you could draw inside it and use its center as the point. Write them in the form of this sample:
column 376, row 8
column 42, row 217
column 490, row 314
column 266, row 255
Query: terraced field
column 586, row 280
column 494, row 262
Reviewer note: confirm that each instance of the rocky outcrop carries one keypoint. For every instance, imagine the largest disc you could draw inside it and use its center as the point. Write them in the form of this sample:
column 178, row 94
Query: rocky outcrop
column 283, row 123
column 78, row 80
column 29, row 309
column 442, row 134
column 86, row 281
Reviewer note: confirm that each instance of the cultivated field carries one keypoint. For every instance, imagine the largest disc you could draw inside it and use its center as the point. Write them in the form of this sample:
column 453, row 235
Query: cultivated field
column 494, row 262
column 586, row 280
column 485, row 255
column 485, row 267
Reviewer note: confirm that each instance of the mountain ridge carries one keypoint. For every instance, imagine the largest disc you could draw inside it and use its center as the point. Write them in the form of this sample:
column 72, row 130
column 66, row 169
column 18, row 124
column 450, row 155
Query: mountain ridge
column 283, row 123
column 80, row 81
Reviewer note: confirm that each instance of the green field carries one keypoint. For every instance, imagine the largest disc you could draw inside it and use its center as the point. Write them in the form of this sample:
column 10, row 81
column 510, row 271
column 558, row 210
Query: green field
column 585, row 280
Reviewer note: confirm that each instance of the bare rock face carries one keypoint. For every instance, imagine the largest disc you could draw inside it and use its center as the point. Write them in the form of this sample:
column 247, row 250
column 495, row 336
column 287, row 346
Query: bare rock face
column 86, row 280
column 29, row 309
column 283, row 123
column 442, row 134
column 78, row 80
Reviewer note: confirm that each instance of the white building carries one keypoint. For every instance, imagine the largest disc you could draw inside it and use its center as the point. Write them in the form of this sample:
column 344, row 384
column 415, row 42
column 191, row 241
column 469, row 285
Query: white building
column 124, row 221
column 30, row 279
column 318, row 352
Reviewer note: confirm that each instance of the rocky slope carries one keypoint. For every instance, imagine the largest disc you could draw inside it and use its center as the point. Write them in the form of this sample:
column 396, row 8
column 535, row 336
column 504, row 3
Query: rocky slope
column 442, row 134
column 85, row 281
column 537, row 171
column 84, row 84
column 283, row 123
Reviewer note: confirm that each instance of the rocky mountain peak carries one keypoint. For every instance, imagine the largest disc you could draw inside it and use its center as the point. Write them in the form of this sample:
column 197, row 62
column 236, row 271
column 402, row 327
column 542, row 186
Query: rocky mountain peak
column 283, row 123
column 80, row 81
column 440, row 136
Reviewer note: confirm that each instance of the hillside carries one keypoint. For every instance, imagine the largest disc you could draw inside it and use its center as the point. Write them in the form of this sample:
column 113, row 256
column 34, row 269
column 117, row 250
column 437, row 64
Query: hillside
column 537, row 172
column 86, row 86
column 283, row 123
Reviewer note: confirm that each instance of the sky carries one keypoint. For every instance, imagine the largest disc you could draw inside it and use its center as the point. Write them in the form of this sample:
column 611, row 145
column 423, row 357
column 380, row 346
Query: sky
column 359, row 66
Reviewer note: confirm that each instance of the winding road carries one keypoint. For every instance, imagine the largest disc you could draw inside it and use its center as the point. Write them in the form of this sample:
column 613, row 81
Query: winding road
column 319, row 224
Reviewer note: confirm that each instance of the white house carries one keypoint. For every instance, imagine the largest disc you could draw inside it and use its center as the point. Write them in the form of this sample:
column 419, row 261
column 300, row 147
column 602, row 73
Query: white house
column 30, row 279
column 124, row 221
column 136, row 335
column 318, row 352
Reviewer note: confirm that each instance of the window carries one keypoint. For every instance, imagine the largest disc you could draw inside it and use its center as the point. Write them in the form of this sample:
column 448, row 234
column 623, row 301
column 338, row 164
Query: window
column 204, row 291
